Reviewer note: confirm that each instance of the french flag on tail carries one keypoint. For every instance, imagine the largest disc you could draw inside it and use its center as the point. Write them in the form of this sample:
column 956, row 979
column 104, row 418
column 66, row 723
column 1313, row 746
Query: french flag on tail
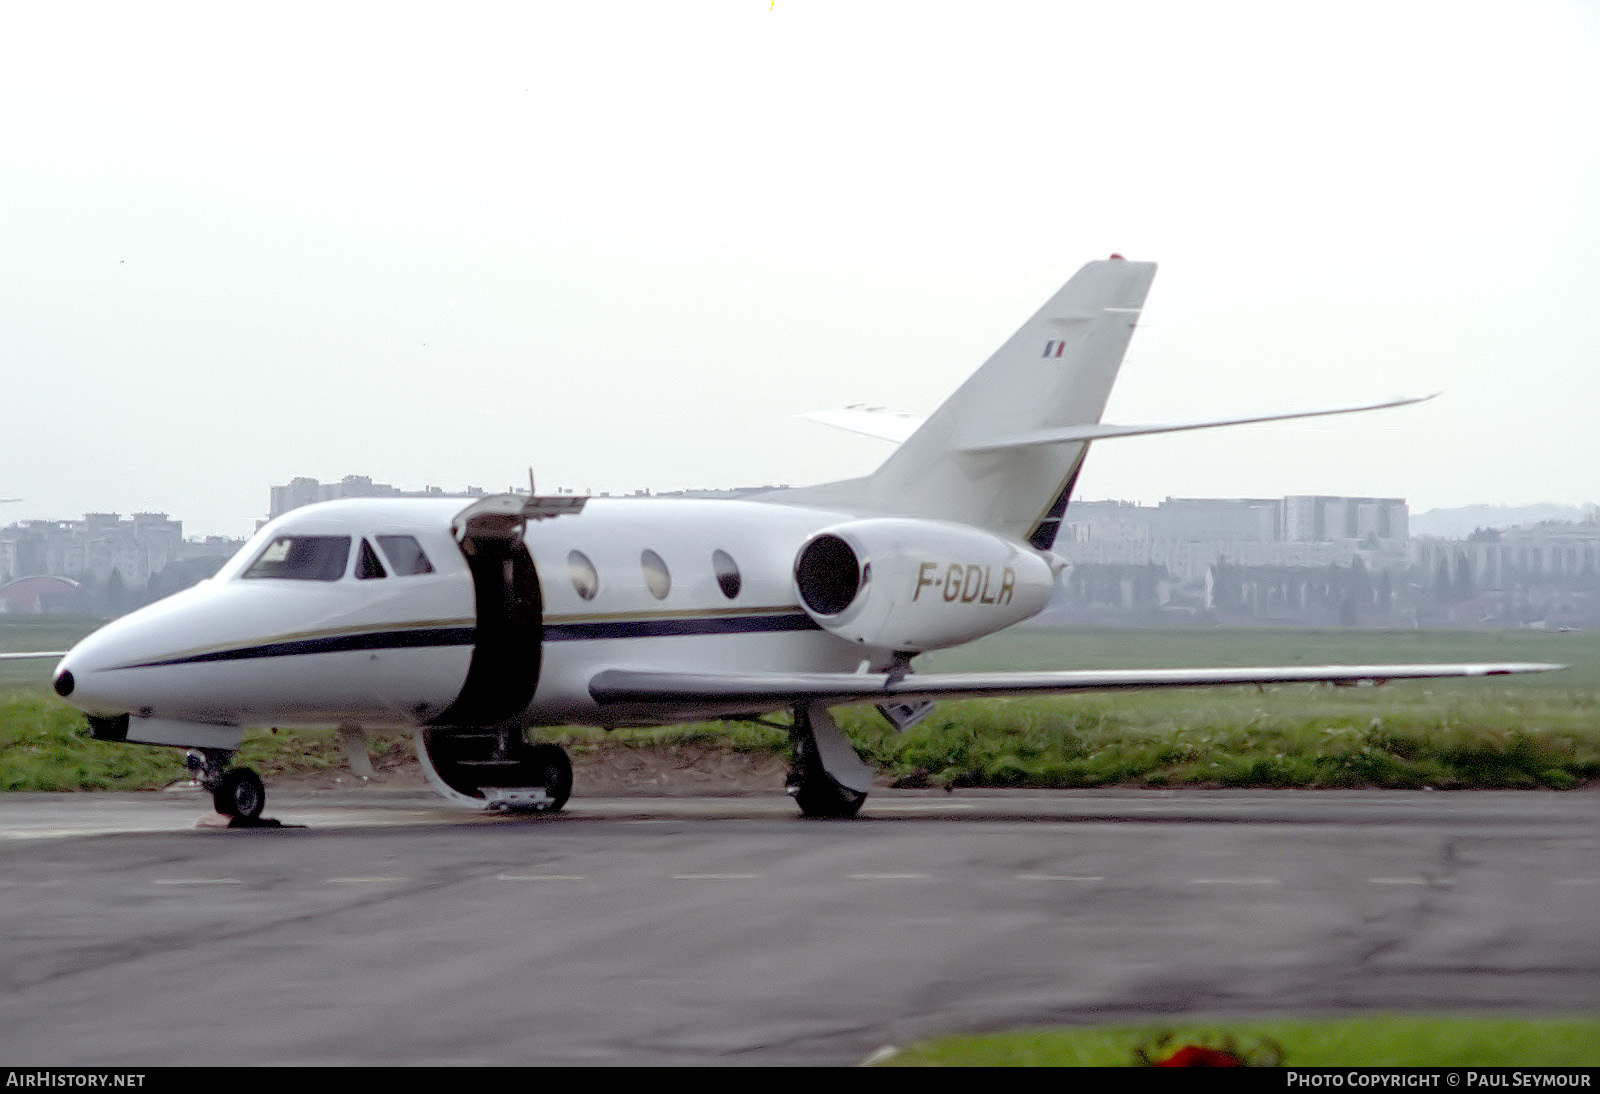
column 1054, row 348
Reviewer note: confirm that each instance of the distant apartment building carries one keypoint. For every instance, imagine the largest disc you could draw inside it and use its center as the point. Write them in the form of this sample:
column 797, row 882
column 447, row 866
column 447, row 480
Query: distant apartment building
column 1220, row 520
column 91, row 548
column 304, row 491
column 1545, row 574
column 105, row 551
column 1497, row 559
column 1188, row 535
column 1319, row 559
column 1295, row 557
column 1379, row 524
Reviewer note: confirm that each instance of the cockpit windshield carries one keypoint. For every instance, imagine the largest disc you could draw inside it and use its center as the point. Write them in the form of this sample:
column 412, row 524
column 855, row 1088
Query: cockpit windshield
column 302, row 558
column 405, row 554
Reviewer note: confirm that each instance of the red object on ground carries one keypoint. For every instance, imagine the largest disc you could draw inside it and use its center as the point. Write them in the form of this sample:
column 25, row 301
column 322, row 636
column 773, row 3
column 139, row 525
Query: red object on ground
column 1199, row 1056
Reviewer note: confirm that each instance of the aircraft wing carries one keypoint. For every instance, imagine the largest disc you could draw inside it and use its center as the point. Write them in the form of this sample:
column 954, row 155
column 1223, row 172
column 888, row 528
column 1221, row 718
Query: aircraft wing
column 733, row 694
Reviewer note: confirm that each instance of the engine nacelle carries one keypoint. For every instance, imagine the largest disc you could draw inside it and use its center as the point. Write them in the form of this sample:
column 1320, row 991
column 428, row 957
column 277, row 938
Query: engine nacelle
column 902, row 584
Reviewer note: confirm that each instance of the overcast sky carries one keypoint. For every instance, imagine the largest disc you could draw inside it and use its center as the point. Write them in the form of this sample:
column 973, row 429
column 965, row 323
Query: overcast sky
column 626, row 244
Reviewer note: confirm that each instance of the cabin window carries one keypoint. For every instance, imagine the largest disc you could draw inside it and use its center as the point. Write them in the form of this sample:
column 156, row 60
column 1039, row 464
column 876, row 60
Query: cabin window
column 656, row 577
column 585, row 578
column 727, row 573
column 302, row 558
column 367, row 565
column 405, row 555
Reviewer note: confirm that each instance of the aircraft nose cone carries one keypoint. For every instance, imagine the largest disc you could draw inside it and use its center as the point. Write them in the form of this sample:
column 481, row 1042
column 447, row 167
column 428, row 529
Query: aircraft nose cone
column 80, row 684
column 82, row 678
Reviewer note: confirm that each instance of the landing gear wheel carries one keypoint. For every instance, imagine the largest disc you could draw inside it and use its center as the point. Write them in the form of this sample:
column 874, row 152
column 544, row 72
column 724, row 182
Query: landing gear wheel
column 814, row 790
column 556, row 767
column 240, row 794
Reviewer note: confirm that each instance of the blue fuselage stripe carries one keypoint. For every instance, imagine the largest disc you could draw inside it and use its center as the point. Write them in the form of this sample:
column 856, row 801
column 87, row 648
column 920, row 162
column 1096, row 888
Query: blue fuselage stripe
column 334, row 643
column 672, row 628
column 463, row 636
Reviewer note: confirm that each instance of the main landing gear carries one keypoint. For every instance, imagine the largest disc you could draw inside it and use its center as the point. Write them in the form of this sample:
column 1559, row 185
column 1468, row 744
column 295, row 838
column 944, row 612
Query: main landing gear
column 828, row 779
column 238, row 793
column 495, row 768
column 554, row 776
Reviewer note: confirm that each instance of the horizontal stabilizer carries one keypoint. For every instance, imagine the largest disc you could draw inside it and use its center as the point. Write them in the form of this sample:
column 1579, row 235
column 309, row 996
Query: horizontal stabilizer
column 870, row 421
column 733, row 694
column 1100, row 432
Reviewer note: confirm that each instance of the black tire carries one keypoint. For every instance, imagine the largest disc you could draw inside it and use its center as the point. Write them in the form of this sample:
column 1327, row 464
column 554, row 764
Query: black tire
column 815, row 791
column 240, row 793
column 822, row 797
column 556, row 767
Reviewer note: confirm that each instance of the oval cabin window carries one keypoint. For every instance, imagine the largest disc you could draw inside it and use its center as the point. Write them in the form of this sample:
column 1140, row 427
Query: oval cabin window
column 727, row 573
column 656, row 577
column 585, row 578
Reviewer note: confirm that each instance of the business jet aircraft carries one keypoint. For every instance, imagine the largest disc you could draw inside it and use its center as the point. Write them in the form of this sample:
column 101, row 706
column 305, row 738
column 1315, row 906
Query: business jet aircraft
column 474, row 622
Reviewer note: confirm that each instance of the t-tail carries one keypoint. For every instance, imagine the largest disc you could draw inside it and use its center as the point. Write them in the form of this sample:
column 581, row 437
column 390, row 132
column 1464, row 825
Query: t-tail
column 1002, row 452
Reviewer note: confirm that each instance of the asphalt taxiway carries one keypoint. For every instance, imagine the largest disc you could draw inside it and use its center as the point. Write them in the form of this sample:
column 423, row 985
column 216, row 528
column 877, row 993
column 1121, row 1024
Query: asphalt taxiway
column 392, row 928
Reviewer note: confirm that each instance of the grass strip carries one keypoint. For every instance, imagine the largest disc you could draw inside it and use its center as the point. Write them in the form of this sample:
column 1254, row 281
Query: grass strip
column 1510, row 732
column 1364, row 1041
column 1295, row 738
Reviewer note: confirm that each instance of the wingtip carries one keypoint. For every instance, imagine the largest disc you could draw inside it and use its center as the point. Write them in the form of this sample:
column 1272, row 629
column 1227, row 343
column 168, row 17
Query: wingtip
column 1524, row 667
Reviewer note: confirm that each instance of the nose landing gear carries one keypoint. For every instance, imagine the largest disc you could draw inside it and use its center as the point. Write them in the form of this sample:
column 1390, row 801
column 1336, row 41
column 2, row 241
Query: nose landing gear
column 238, row 793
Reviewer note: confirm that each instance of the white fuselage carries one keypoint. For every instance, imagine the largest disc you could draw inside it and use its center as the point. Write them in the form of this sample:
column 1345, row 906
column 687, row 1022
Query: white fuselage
column 638, row 583
column 696, row 626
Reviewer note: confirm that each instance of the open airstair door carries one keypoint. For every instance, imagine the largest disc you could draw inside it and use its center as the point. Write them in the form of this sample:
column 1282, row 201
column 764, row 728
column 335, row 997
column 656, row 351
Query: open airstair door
column 510, row 626
column 475, row 752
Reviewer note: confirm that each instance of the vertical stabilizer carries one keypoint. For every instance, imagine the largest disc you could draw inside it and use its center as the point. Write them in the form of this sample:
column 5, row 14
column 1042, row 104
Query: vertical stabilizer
column 1056, row 371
